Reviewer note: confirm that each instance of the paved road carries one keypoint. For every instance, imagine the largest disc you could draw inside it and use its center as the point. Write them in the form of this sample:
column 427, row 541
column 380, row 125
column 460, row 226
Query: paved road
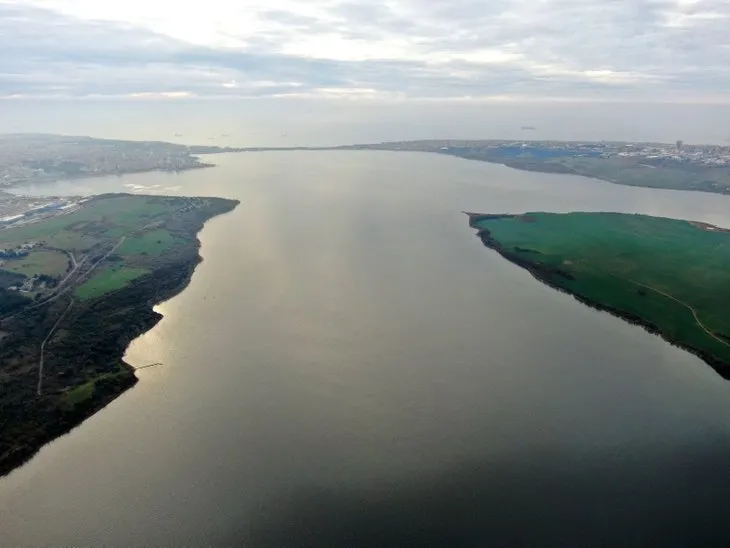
column 85, row 274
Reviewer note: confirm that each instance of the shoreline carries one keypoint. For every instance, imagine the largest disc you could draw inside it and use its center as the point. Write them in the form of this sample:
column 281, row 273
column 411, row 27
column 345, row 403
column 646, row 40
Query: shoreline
column 538, row 167
column 158, row 286
column 540, row 273
column 83, row 176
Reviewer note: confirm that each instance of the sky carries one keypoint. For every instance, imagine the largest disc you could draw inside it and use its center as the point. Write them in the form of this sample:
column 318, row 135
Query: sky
column 430, row 50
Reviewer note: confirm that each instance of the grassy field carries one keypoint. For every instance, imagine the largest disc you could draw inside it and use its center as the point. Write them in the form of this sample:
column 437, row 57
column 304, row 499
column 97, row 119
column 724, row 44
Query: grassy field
column 92, row 231
column 100, row 220
column 78, row 395
column 53, row 263
column 153, row 242
column 82, row 394
column 108, row 279
column 658, row 270
column 632, row 172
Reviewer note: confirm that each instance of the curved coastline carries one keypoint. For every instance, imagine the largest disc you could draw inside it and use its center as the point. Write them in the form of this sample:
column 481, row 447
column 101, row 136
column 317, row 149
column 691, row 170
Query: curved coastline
column 129, row 322
column 545, row 275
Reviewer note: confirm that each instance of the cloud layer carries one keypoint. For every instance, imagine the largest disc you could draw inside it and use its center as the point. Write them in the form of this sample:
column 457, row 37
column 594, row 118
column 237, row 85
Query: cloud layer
column 669, row 50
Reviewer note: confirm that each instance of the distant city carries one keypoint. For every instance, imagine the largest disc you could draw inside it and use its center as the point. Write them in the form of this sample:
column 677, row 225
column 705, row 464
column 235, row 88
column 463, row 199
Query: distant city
column 706, row 155
column 676, row 166
column 37, row 158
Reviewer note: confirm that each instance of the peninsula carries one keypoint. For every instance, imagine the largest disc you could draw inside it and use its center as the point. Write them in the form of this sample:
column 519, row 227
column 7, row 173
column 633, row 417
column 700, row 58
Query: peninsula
column 77, row 285
column 669, row 276
column 676, row 166
column 36, row 158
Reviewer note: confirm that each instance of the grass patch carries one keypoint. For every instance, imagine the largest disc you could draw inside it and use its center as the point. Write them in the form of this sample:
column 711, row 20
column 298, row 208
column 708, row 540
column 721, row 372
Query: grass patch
column 76, row 242
column 109, row 279
column 53, row 263
column 84, row 393
column 153, row 242
column 79, row 395
column 101, row 219
column 634, row 172
column 628, row 263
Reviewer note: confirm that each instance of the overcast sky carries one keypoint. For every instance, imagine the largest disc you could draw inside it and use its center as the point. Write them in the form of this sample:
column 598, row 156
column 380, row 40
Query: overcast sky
column 607, row 50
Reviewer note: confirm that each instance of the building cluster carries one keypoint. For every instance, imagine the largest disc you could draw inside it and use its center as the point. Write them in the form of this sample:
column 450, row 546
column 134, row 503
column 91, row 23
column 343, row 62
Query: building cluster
column 28, row 159
column 702, row 155
column 707, row 155
column 32, row 211
column 37, row 282
column 15, row 252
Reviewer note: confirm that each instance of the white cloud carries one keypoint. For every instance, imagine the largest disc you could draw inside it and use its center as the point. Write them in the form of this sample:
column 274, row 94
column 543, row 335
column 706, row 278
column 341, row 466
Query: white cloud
column 162, row 95
column 663, row 49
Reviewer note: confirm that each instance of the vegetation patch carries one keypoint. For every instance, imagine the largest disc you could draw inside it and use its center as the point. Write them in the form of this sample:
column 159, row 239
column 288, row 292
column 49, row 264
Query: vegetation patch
column 109, row 279
column 126, row 252
column 669, row 275
column 11, row 301
column 625, row 170
column 91, row 224
column 52, row 263
column 78, row 396
column 153, row 242
column 83, row 395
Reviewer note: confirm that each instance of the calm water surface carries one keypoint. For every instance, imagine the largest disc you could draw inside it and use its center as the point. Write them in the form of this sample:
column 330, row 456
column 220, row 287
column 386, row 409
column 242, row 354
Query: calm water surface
column 351, row 365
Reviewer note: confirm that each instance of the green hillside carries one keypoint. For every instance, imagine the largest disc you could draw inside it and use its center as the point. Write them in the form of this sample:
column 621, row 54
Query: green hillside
column 671, row 276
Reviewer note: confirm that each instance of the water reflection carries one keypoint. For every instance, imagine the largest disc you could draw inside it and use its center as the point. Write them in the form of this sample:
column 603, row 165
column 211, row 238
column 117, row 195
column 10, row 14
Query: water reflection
column 349, row 360
column 555, row 501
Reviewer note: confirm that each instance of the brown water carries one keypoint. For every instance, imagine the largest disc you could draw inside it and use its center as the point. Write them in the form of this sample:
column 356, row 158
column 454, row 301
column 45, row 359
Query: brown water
column 350, row 365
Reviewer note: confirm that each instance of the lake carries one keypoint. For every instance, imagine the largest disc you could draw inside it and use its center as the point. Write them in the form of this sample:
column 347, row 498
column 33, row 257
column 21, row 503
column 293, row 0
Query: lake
column 349, row 365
